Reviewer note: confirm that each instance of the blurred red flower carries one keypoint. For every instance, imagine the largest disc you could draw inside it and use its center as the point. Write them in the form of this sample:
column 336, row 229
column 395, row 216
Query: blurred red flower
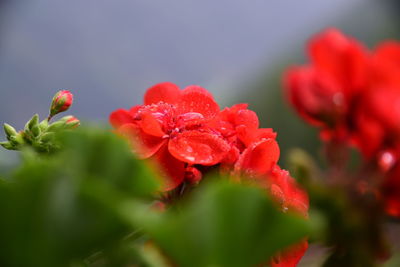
column 324, row 91
column 353, row 96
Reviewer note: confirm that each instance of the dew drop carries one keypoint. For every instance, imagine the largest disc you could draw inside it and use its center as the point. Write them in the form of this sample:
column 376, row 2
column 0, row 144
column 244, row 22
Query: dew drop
column 338, row 99
column 190, row 158
column 386, row 160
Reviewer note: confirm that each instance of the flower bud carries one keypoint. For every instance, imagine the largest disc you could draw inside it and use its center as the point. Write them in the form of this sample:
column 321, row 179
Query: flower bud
column 61, row 102
column 9, row 130
column 34, row 121
column 7, row 145
column 17, row 140
column 56, row 126
column 72, row 122
column 36, row 130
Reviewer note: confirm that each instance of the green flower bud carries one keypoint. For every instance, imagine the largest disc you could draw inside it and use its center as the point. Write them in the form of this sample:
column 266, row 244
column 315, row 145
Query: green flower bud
column 35, row 130
column 43, row 125
column 7, row 145
column 9, row 130
column 56, row 126
column 17, row 139
column 32, row 122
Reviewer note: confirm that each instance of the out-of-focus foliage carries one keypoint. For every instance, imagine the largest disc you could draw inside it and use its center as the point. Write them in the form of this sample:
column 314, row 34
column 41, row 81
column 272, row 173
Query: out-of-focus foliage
column 224, row 224
column 65, row 207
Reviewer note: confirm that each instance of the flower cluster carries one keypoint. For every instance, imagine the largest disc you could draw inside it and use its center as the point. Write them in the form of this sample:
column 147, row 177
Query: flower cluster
column 353, row 95
column 186, row 134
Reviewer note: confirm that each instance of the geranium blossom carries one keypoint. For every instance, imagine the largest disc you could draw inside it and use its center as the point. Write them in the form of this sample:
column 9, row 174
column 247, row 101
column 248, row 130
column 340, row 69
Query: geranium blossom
column 353, row 95
column 172, row 127
column 186, row 134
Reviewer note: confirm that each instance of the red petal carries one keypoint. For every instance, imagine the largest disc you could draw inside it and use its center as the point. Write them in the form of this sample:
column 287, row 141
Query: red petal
column 120, row 117
column 235, row 108
column 258, row 158
column 294, row 198
column 317, row 97
column 266, row 133
column 196, row 147
column 340, row 56
column 144, row 145
column 229, row 114
column 171, row 170
column 291, row 256
column 197, row 99
column 247, row 118
column 166, row 92
column 385, row 65
column 389, row 52
column 151, row 125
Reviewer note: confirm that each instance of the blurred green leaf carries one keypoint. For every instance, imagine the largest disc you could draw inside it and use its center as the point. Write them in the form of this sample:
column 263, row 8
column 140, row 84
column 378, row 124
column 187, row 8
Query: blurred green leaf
column 224, row 225
column 106, row 158
column 60, row 209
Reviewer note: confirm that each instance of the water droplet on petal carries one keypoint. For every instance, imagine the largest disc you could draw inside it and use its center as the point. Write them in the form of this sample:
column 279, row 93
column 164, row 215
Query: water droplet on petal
column 386, row 160
column 190, row 158
column 338, row 99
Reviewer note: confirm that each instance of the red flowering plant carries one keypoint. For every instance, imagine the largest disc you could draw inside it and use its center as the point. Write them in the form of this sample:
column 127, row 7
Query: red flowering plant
column 352, row 95
column 187, row 135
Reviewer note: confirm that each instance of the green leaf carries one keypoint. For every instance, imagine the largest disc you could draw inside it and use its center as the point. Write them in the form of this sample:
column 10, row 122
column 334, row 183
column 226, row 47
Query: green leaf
column 105, row 157
column 224, row 225
column 64, row 207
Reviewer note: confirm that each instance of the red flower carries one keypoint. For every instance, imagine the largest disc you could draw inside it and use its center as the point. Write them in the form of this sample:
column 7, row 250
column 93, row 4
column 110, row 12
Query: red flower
column 323, row 92
column 354, row 96
column 185, row 132
column 172, row 127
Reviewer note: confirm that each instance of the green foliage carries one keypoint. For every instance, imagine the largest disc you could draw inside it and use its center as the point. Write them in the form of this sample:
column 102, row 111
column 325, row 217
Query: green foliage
column 61, row 208
column 225, row 224
column 39, row 136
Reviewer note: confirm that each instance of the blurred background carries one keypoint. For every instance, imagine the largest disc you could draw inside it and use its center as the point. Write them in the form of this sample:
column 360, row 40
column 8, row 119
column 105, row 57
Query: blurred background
column 109, row 52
